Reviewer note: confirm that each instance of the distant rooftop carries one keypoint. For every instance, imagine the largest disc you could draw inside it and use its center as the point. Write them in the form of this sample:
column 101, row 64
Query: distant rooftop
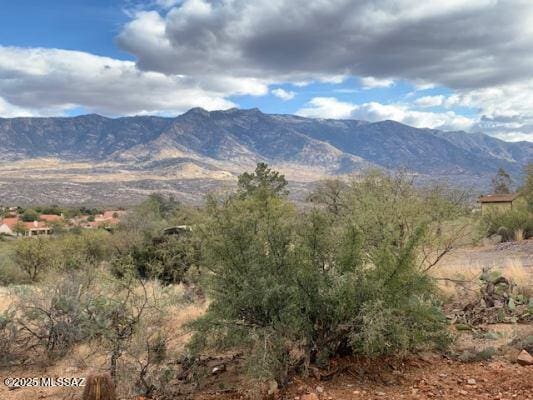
column 498, row 198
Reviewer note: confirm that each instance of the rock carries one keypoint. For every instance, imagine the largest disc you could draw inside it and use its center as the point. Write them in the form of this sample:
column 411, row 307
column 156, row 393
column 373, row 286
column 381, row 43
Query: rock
column 471, row 381
column 381, row 394
column 524, row 358
column 320, row 389
column 495, row 239
column 310, row 396
column 218, row 369
column 272, row 388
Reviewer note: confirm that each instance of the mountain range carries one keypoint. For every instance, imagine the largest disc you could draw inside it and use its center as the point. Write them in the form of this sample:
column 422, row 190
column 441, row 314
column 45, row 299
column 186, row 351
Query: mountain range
column 91, row 158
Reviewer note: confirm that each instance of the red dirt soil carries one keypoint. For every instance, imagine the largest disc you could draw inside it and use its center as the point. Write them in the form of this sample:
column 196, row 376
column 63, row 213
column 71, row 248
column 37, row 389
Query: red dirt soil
column 428, row 378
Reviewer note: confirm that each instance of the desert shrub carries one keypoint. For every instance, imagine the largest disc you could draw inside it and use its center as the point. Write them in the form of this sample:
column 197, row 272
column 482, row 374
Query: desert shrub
column 295, row 288
column 166, row 258
column 143, row 363
column 88, row 248
column 54, row 316
column 527, row 188
column 35, row 256
column 151, row 216
column 118, row 316
column 508, row 223
column 474, row 355
column 142, row 248
column 10, row 273
column 8, row 336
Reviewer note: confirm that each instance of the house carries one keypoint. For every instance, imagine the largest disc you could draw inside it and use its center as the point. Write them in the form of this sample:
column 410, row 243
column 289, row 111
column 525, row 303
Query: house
column 105, row 220
column 7, row 226
column 498, row 202
column 37, row 228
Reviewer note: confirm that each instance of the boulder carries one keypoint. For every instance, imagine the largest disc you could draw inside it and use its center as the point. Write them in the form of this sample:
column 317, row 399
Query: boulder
column 524, row 358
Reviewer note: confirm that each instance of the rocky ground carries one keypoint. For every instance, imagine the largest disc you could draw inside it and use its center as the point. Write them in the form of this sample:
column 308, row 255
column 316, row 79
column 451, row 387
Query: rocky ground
column 507, row 254
column 468, row 371
column 430, row 378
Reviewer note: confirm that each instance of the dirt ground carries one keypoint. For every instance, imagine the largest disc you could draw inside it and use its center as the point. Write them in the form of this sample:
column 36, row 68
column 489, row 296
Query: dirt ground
column 424, row 378
column 436, row 378
column 501, row 255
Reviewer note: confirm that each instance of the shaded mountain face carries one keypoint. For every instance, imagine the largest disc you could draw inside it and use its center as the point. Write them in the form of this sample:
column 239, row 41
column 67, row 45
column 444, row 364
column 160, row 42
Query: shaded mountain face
column 234, row 140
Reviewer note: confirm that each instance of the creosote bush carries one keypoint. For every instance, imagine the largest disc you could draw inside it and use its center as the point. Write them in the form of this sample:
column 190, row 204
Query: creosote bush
column 507, row 223
column 293, row 289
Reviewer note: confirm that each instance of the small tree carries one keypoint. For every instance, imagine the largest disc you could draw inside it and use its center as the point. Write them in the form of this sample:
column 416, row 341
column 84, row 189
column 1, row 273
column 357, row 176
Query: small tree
column 294, row 288
column 34, row 256
column 501, row 183
column 263, row 182
column 19, row 229
column 330, row 193
column 29, row 215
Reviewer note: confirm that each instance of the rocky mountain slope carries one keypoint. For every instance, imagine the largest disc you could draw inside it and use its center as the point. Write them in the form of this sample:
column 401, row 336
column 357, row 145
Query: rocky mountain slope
column 220, row 144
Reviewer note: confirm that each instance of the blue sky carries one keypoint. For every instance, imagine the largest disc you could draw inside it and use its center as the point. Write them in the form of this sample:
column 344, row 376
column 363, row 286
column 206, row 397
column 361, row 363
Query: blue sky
column 89, row 25
column 429, row 65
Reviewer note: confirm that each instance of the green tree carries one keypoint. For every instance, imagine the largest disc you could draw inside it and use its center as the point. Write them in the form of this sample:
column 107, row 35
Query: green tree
column 330, row 192
column 150, row 217
column 501, row 183
column 35, row 256
column 30, row 215
column 19, row 229
column 264, row 182
column 295, row 288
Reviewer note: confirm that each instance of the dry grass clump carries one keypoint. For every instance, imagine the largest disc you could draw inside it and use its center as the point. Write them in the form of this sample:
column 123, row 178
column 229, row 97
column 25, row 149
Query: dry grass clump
column 519, row 235
column 520, row 276
column 5, row 299
column 460, row 282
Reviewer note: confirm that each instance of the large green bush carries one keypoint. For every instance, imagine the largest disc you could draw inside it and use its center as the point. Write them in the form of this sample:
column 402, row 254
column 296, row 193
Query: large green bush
column 508, row 224
column 295, row 288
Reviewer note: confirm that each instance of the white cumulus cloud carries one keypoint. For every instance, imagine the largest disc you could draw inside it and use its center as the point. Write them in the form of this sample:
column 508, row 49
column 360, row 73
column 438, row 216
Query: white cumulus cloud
column 33, row 81
column 283, row 94
column 371, row 82
column 329, row 107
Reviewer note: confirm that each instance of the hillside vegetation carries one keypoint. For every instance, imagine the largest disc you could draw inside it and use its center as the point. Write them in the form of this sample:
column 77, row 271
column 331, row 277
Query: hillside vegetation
column 286, row 289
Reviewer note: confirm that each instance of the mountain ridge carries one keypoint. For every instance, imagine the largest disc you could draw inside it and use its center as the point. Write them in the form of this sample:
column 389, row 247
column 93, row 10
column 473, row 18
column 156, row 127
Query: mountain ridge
column 225, row 143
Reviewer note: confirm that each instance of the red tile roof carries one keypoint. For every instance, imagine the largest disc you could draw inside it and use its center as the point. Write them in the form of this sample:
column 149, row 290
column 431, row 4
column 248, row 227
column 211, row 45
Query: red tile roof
column 10, row 222
column 50, row 217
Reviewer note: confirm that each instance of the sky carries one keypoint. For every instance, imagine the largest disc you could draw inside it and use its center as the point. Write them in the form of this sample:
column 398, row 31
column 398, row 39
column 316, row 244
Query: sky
column 451, row 65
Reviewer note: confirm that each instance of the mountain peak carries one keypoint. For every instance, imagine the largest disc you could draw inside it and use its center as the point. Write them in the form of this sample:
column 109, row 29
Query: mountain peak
column 246, row 111
column 90, row 116
column 197, row 111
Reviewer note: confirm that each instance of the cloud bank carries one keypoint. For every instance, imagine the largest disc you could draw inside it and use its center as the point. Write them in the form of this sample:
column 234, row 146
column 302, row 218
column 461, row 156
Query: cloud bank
column 201, row 53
